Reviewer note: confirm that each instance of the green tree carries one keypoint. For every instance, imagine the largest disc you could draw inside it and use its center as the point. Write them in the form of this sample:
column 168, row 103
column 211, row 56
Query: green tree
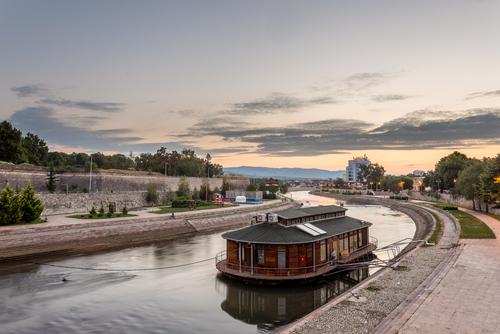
column 152, row 195
column 10, row 212
column 205, row 191
column 225, row 186
column 196, row 194
column 251, row 187
column 29, row 204
column 283, row 188
column 448, row 168
column 490, row 181
column 339, row 183
column 183, row 188
column 51, row 180
column 35, row 149
column 468, row 182
column 10, row 143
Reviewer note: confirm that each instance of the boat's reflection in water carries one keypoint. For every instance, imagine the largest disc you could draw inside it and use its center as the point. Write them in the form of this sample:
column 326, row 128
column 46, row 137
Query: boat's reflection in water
column 271, row 306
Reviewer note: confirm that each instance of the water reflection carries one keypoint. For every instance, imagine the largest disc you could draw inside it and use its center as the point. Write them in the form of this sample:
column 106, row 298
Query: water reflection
column 184, row 300
column 272, row 306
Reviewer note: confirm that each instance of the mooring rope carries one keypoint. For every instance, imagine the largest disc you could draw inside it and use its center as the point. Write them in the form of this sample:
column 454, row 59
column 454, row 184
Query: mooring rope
column 117, row 269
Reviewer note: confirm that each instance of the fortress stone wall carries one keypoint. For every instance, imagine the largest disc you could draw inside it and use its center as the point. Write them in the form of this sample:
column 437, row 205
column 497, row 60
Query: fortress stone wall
column 122, row 188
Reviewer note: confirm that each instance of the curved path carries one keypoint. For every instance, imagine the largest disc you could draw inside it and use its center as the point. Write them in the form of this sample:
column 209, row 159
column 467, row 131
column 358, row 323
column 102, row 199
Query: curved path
column 467, row 300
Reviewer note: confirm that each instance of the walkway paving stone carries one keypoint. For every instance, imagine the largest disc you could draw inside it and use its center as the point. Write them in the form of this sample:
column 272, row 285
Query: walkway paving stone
column 467, row 300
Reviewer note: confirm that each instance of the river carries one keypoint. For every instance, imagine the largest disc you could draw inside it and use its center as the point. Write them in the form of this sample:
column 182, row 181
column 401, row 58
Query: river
column 192, row 299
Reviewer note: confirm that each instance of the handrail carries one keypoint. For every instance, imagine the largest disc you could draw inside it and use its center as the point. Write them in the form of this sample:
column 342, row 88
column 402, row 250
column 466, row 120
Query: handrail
column 222, row 256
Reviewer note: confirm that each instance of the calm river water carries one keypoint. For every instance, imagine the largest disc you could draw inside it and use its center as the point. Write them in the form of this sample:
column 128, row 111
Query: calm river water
column 192, row 299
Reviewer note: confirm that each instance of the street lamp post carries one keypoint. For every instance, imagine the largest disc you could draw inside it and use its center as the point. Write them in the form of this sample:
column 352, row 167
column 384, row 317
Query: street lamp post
column 90, row 175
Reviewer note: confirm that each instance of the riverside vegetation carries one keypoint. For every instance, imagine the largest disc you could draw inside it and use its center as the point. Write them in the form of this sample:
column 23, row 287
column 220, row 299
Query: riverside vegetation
column 20, row 206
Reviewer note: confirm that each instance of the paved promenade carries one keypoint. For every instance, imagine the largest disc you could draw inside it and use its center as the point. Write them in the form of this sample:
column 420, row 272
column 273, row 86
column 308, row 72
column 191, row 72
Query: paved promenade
column 467, row 300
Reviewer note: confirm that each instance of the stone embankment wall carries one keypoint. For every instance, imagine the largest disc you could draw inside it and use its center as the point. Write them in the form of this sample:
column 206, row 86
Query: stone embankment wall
column 78, row 237
column 101, row 182
column 122, row 188
column 83, row 202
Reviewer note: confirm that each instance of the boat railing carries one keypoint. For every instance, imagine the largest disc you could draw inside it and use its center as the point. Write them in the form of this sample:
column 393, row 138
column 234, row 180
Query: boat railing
column 223, row 265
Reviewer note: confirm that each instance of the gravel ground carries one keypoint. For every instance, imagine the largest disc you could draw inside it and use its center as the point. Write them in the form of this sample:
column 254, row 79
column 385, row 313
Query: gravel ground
column 362, row 312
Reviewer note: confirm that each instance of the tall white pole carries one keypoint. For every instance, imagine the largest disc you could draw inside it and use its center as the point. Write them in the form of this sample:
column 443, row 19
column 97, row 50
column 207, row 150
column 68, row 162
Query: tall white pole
column 90, row 175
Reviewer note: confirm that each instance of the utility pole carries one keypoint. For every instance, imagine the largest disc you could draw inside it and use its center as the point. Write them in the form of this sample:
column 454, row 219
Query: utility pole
column 90, row 175
column 206, row 188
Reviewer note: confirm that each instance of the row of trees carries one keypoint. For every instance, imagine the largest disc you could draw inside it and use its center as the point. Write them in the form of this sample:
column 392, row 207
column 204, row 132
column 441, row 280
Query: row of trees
column 474, row 179
column 19, row 206
column 16, row 148
column 183, row 191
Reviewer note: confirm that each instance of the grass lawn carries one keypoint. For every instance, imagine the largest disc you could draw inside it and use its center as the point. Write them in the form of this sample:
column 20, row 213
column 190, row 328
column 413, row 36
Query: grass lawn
column 471, row 227
column 438, row 230
column 105, row 216
column 169, row 209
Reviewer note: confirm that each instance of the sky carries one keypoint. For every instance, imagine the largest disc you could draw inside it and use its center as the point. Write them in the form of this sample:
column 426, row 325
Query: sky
column 256, row 83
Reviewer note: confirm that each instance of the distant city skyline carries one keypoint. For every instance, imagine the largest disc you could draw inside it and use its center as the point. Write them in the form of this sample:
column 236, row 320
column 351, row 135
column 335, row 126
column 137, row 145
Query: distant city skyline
column 266, row 83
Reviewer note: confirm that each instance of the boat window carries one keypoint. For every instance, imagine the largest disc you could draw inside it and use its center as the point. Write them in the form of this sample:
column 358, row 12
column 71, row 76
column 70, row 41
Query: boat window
column 322, row 250
column 261, row 258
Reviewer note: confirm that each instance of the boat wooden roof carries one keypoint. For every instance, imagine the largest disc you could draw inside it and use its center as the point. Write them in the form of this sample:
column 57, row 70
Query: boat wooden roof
column 275, row 233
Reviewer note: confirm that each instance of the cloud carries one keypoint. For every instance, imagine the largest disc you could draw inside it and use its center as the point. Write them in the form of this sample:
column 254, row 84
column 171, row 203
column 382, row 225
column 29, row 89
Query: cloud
column 364, row 80
column 390, row 97
column 275, row 103
column 43, row 122
column 46, row 99
column 29, row 90
column 87, row 105
column 483, row 94
column 458, row 129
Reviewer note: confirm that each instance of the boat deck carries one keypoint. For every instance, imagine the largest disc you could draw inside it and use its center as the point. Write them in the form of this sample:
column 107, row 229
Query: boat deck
column 290, row 274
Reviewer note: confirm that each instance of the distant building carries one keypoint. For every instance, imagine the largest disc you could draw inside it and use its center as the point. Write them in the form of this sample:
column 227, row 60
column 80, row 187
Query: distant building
column 251, row 197
column 418, row 173
column 352, row 171
column 272, row 182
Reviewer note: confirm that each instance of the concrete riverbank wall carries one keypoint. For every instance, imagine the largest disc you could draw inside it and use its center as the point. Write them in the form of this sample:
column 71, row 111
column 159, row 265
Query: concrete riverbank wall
column 79, row 236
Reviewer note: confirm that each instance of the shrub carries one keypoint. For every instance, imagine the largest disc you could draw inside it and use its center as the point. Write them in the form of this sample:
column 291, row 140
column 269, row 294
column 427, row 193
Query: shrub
column 93, row 211
column 19, row 207
column 152, row 195
column 30, row 206
column 183, row 188
column 10, row 212
column 111, row 208
column 125, row 210
column 101, row 211
column 184, row 202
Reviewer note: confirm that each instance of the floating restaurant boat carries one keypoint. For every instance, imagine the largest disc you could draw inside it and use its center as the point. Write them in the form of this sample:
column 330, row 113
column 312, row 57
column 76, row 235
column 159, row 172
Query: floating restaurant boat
column 295, row 245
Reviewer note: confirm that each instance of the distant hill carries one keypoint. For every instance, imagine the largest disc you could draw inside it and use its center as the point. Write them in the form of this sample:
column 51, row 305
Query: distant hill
column 284, row 173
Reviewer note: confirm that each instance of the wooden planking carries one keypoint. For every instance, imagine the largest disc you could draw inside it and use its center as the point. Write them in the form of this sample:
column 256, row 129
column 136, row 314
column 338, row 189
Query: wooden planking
column 232, row 252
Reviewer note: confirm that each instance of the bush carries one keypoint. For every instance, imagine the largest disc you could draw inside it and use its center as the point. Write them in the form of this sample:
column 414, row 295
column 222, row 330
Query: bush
column 31, row 207
column 152, row 195
column 101, row 211
column 111, row 208
column 185, row 202
column 10, row 212
column 20, row 207
column 93, row 211
column 399, row 197
column 125, row 210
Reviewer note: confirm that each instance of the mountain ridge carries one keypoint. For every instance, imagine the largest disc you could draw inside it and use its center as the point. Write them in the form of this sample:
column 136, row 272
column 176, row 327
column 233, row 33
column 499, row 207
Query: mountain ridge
column 284, row 172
